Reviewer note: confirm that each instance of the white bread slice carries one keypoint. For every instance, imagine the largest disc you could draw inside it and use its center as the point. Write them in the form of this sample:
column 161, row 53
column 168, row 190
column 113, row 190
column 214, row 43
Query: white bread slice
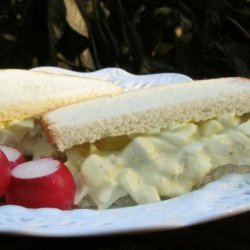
column 146, row 110
column 27, row 93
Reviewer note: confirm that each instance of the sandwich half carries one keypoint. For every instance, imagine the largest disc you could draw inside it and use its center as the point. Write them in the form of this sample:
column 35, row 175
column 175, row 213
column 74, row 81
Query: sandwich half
column 26, row 95
column 151, row 144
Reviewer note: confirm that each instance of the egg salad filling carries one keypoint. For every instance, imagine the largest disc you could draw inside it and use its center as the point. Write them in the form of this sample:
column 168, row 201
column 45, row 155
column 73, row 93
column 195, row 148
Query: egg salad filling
column 26, row 135
column 152, row 167
column 147, row 167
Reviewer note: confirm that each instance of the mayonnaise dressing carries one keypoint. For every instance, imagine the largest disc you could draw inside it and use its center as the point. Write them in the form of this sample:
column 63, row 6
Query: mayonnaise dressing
column 26, row 135
column 167, row 164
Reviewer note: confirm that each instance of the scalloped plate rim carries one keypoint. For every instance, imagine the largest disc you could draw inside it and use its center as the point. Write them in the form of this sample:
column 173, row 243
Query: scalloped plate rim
column 121, row 77
column 132, row 230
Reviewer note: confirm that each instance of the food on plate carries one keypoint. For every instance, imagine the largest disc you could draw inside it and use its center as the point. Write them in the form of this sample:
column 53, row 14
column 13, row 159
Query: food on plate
column 41, row 183
column 27, row 95
column 13, row 155
column 4, row 173
column 150, row 144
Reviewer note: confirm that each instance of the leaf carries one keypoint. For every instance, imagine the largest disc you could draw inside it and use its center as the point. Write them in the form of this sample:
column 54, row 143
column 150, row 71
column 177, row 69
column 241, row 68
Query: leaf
column 93, row 48
column 74, row 18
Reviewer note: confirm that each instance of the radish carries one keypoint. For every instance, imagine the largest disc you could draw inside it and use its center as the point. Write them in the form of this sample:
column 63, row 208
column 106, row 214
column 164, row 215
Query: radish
column 4, row 173
column 14, row 156
column 44, row 182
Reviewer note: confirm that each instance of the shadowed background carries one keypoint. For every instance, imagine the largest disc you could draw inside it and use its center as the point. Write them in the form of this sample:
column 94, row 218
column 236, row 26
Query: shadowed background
column 202, row 39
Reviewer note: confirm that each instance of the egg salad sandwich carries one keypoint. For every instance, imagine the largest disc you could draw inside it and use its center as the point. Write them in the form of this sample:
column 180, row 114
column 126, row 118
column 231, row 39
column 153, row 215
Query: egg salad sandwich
column 26, row 95
column 151, row 144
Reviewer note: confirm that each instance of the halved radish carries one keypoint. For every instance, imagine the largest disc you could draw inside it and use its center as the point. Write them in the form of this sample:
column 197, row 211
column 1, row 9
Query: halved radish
column 41, row 183
column 4, row 173
column 14, row 156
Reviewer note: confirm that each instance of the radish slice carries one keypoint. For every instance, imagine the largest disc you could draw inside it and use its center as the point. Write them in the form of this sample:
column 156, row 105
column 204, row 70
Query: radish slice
column 35, row 169
column 14, row 156
column 4, row 173
column 41, row 183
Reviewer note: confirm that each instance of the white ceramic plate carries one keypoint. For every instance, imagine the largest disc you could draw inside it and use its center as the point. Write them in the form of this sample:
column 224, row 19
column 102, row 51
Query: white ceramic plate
column 121, row 77
column 228, row 196
column 225, row 197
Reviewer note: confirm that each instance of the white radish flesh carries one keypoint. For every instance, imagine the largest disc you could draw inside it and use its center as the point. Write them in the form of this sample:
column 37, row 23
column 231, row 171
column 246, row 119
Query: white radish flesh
column 34, row 169
column 14, row 156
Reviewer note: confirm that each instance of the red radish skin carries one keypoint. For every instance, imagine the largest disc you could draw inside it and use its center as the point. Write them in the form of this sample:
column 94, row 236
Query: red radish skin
column 14, row 156
column 4, row 173
column 32, row 189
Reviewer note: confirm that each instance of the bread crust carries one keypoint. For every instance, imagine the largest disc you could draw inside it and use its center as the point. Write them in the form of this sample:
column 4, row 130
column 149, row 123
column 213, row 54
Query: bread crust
column 147, row 110
column 26, row 93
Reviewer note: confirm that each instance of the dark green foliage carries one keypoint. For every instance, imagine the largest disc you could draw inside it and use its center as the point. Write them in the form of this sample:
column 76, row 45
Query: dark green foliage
column 203, row 39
